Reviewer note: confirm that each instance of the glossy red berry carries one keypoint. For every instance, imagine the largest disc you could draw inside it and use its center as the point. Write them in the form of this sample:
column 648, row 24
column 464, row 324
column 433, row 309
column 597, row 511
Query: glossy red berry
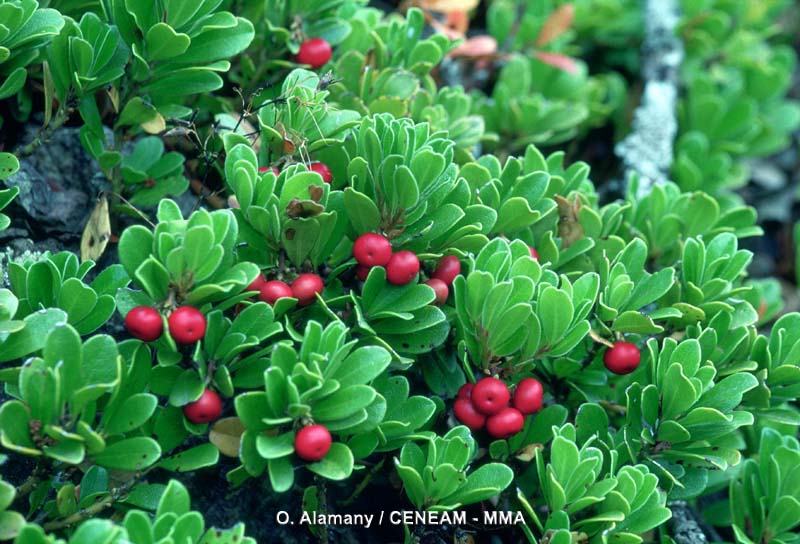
column 440, row 289
column 449, row 267
column 311, row 443
column 362, row 272
column 528, row 396
column 465, row 391
column 306, row 287
column 144, row 323
column 187, row 325
column 534, row 254
column 506, row 423
column 466, row 413
column 623, row 358
column 489, row 396
column 206, row 409
column 273, row 290
column 322, row 169
column 315, row 52
column 256, row 284
column 402, row 268
column 372, row 249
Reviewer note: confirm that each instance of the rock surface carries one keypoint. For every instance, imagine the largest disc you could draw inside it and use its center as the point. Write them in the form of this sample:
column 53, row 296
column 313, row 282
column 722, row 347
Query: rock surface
column 58, row 183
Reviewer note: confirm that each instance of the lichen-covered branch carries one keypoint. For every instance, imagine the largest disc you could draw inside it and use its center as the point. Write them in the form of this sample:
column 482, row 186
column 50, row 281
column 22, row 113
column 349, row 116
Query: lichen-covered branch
column 648, row 149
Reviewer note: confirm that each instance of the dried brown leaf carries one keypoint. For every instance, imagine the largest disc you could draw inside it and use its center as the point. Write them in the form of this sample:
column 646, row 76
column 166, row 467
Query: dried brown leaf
column 569, row 228
column 226, row 435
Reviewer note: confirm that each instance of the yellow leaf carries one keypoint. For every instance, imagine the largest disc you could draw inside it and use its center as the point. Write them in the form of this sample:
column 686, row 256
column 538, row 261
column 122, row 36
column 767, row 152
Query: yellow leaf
column 527, row 453
column 226, row 434
column 446, row 6
column 113, row 95
column 155, row 125
column 97, row 231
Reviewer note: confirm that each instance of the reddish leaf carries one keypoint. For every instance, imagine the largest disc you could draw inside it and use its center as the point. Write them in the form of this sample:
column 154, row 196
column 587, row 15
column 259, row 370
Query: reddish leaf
column 562, row 62
column 479, row 46
column 555, row 25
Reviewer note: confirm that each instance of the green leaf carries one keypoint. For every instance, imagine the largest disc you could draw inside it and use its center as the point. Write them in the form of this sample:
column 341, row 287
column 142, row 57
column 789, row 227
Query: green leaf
column 486, row 482
column 175, row 500
column 362, row 366
column 31, row 338
column 129, row 454
column 132, row 413
column 204, row 455
column 362, row 211
column 784, row 515
column 555, row 312
column 162, row 42
column 273, row 447
column 154, row 278
column 336, row 465
column 344, row 403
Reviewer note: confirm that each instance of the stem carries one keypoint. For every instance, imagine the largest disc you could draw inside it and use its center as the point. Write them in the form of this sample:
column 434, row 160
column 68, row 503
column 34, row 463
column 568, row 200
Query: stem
column 81, row 515
column 97, row 507
column 363, row 485
column 46, row 132
column 322, row 508
column 28, row 485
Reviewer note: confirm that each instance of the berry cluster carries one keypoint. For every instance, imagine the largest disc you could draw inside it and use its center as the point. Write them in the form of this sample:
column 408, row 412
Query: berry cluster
column 186, row 324
column 304, row 288
column 489, row 404
column 372, row 249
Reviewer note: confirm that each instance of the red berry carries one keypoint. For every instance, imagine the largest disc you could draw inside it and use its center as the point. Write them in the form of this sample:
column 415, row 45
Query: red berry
column 440, row 289
column 372, row 249
column 273, row 290
column 623, row 358
column 315, row 52
column 362, row 272
column 402, row 268
column 206, row 409
column 265, row 169
column 305, row 288
column 465, row 391
column 322, row 169
column 256, row 284
column 311, row 443
column 187, row 325
column 489, row 396
column 507, row 422
column 449, row 267
column 534, row 254
column 465, row 412
column 144, row 323
column 528, row 396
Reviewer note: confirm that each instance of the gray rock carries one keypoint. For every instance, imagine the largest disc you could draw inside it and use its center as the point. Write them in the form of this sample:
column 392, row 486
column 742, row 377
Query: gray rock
column 58, row 183
column 685, row 529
